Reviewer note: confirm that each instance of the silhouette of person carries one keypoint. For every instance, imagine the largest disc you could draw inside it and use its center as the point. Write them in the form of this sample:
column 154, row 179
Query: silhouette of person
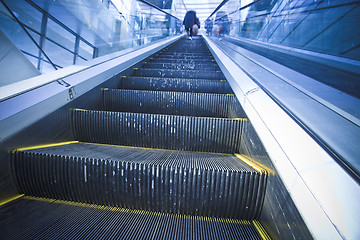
column 190, row 20
column 208, row 26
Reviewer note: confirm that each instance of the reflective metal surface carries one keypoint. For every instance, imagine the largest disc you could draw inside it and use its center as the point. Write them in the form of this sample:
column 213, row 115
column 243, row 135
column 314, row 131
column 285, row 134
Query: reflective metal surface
column 286, row 143
column 279, row 214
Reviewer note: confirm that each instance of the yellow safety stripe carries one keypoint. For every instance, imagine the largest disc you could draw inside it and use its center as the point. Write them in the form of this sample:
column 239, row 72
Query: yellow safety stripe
column 45, row 145
column 268, row 170
column 240, row 119
column 261, row 230
column 143, row 212
column 251, row 162
column 10, row 199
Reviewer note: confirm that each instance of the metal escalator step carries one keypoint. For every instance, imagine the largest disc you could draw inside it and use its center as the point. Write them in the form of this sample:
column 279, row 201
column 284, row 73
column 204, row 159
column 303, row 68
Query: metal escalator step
column 182, row 61
column 165, row 65
column 179, row 73
column 185, row 57
column 185, row 50
column 202, row 134
column 176, row 84
column 200, row 184
column 173, row 103
column 185, row 53
column 23, row 219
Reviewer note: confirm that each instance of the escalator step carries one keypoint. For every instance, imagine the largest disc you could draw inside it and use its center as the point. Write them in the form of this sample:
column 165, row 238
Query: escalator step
column 201, row 184
column 179, row 73
column 188, row 53
column 173, row 103
column 165, row 65
column 202, row 134
column 176, row 84
column 34, row 218
column 181, row 61
column 186, row 57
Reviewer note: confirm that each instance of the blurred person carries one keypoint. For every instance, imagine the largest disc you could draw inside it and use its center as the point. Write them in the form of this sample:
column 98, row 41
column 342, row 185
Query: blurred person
column 208, row 26
column 223, row 23
column 192, row 23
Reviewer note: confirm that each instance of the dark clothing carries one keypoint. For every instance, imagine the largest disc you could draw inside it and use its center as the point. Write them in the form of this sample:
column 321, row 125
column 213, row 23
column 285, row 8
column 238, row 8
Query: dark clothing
column 189, row 21
column 208, row 26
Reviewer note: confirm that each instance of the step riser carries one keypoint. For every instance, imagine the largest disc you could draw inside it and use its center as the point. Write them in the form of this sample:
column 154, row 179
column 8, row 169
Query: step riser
column 183, row 53
column 180, row 61
column 190, row 57
column 178, row 73
column 204, row 67
column 158, row 131
column 190, row 191
column 179, row 85
column 173, row 103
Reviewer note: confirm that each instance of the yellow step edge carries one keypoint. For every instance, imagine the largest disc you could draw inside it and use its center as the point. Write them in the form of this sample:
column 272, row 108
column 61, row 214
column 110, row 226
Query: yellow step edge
column 230, row 94
column 268, row 170
column 252, row 163
column 261, row 230
column 11, row 199
column 79, row 109
column 104, row 89
column 240, row 119
column 45, row 146
column 139, row 212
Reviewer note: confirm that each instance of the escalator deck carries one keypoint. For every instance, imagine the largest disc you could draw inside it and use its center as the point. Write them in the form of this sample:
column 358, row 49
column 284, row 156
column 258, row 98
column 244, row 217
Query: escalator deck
column 158, row 161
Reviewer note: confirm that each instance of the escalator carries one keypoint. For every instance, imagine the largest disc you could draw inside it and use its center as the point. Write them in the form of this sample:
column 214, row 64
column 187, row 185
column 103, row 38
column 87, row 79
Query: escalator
column 159, row 159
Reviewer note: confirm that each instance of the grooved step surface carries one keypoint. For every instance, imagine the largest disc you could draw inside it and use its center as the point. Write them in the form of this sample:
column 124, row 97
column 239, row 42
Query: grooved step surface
column 39, row 219
column 158, row 131
column 218, row 185
column 172, row 51
column 176, row 84
column 165, row 65
column 185, row 57
column 181, row 61
column 178, row 73
column 173, row 103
